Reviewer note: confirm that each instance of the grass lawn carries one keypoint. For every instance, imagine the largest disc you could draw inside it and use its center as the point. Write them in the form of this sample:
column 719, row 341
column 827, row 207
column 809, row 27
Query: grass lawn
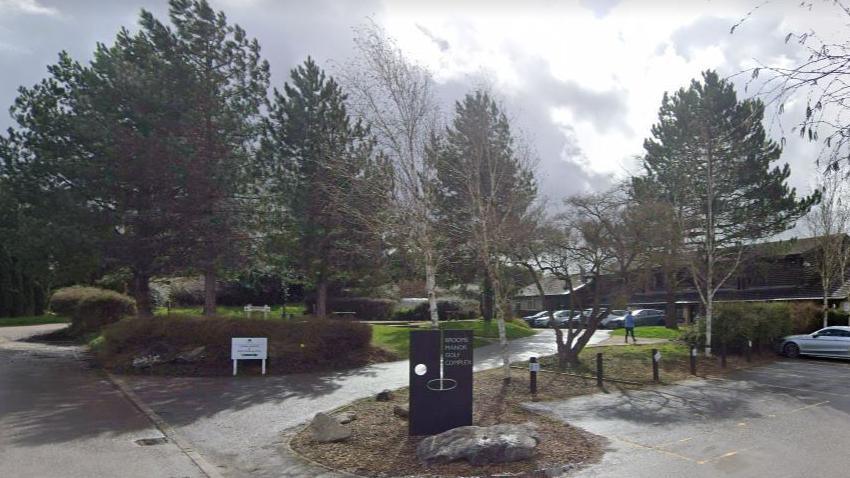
column 650, row 332
column 397, row 339
column 233, row 311
column 634, row 363
column 32, row 320
column 480, row 328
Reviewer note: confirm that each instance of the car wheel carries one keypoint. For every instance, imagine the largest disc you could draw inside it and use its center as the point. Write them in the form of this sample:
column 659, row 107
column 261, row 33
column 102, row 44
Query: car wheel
column 791, row 350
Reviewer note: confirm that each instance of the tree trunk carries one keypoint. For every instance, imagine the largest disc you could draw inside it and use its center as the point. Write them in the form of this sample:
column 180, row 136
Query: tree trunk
column 709, row 309
column 500, row 323
column 670, row 310
column 209, row 292
column 322, row 299
column 431, row 287
column 142, row 294
column 825, row 311
column 487, row 299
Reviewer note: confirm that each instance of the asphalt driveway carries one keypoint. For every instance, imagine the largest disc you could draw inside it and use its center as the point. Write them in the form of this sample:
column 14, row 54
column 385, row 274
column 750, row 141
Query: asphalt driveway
column 787, row 419
column 61, row 418
column 236, row 422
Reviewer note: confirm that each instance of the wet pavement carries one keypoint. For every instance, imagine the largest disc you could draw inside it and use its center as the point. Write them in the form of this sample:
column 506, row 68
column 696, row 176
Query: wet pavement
column 237, row 423
column 787, row 419
column 60, row 418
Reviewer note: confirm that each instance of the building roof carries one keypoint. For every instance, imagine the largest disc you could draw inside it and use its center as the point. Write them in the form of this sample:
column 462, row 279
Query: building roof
column 551, row 286
column 788, row 247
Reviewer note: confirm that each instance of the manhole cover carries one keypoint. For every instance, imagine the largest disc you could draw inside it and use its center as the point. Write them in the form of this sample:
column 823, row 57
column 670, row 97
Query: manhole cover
column 151, row 441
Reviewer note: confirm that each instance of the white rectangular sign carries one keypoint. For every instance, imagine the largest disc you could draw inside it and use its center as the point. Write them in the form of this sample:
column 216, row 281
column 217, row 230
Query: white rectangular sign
column 249, row 348
column 242, row 348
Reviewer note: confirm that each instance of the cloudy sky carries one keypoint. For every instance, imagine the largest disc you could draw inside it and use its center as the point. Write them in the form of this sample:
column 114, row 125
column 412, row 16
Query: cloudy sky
column 582, row 80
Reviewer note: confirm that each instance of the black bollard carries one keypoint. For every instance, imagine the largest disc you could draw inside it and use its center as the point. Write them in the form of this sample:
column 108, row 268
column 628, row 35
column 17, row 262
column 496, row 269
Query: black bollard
column 693, row 360
column 749, row 351
column 723, row 355
column 599, row 369
column 656, row 357
column 533, row 367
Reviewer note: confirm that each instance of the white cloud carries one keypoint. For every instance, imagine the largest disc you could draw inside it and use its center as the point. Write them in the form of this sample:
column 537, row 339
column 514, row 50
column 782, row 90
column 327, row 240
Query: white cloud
column 586, row 62
column 30, row 7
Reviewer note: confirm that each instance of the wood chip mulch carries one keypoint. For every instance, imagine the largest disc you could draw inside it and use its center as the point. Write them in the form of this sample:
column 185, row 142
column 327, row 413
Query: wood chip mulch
column 380, row 446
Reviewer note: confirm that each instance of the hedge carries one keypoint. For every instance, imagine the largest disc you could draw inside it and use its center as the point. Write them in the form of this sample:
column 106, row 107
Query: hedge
column 446, row 309
column 91, row 308
column 364, row 308
column 294, row 345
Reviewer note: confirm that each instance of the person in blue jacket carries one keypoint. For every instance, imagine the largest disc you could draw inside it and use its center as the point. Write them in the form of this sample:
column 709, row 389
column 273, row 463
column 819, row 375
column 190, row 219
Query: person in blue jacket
column 629, row 323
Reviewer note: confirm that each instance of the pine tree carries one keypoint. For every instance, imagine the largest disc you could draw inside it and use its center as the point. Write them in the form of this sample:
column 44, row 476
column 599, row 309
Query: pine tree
column 710, row 157
column 99, row 155
column 321, row 163
column 486, row 190
column 231, row 83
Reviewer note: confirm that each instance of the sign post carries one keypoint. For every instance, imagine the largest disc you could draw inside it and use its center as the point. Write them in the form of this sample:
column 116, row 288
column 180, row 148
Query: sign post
column 440, row 381
column 533, row 368
column 249, row 348
column 656, row 357
column 693, row 360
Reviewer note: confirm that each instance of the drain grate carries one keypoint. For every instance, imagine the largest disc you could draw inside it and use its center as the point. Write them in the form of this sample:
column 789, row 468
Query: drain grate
column 151, row 441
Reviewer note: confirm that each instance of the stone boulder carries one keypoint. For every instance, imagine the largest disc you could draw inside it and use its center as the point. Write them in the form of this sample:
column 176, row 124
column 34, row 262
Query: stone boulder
column 345, row 417
column 480, row 445
column 146, row 361
column 385, row 396
column 191, row 356
column 401, row 411
column 326, row 429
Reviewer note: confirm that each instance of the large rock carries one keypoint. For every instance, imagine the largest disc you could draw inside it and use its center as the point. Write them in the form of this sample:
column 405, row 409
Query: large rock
column 145, row 361
column 191, row 356
column 401, row 411
column 385, row 396
column 326, row 429
column 345, row 417
column 480, row 445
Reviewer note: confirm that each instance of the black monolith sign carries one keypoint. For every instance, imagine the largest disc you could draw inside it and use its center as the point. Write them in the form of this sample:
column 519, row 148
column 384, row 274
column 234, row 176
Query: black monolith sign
column 440, row 381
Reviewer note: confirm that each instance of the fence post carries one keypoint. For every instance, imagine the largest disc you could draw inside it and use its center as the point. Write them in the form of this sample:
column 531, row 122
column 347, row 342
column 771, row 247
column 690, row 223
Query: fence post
column 656, row 357
column 693, row 360
column 533, row 367
column 723, row 355
column 599, row 369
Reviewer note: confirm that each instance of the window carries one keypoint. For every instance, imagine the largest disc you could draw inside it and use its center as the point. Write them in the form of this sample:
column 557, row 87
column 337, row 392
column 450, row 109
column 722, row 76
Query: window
column 531, row 303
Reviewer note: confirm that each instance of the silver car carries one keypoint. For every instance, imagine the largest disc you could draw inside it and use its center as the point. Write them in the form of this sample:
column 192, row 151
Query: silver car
column 828, row 342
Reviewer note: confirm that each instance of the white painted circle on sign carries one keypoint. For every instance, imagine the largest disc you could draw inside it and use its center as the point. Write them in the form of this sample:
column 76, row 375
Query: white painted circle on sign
column 420, row 369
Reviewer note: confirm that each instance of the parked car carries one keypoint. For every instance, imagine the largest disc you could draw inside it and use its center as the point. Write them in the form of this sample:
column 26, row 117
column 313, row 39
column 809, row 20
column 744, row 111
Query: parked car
column 614, row 320
column 648, row 317
column 827, row 342
column 529, row 319
column 559, row 315
column 642, row 317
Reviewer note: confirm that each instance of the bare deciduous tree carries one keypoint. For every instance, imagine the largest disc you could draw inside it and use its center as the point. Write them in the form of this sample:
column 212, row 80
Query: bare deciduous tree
column 820, row 80
column 396, row 98
column 828, row 223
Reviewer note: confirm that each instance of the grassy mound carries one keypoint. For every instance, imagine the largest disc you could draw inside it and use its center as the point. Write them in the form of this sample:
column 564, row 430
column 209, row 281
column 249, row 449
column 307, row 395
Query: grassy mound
column 294, row 345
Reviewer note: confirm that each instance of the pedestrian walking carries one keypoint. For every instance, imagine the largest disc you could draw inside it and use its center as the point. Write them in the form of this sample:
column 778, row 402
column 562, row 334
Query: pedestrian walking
column 629, row 323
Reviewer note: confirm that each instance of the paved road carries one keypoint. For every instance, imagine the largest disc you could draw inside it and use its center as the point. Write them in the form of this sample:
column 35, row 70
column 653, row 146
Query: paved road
column 59, row 418
column 236, row 423
column 788, row 419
